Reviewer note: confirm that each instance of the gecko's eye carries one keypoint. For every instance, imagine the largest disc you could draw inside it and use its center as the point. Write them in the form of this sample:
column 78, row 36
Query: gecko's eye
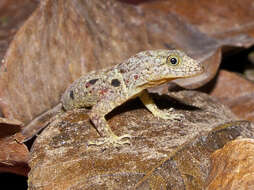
column 173, row 60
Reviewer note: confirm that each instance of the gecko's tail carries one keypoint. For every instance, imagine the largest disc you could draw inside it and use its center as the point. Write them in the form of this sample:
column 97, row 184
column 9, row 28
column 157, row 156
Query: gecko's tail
column 40, row 122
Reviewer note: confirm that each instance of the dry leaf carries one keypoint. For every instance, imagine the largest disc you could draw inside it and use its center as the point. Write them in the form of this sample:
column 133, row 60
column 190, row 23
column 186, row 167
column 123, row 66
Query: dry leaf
column 50, row 51
column 13, row 154
column 12, row 15
column 189, row 165
column 233, row 166
column 235, row 92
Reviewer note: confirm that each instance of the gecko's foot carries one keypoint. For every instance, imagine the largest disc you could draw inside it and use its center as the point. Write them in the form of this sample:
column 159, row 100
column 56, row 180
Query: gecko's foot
column 113, row 140
column 168, row 115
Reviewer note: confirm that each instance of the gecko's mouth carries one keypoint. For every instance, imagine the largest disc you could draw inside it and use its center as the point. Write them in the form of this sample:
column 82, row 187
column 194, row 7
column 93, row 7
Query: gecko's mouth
column 161, row 81
column 156, row 82
column 153, row 83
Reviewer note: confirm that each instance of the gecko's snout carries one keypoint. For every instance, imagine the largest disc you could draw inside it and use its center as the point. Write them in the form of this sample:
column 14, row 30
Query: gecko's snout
column 200, row 65
column 200, row 69
column 197, row 69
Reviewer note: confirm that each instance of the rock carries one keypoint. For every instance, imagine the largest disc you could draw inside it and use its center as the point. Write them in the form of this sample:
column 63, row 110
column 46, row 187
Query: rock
column 162, row 153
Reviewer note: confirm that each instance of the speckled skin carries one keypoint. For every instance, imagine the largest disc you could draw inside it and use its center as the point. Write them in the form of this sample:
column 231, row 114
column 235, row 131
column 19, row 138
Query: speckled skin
column 106, row 89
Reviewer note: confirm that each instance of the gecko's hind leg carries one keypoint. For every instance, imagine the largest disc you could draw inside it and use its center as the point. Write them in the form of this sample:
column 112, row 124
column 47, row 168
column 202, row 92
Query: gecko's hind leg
column 108, row 137
column 152, row 107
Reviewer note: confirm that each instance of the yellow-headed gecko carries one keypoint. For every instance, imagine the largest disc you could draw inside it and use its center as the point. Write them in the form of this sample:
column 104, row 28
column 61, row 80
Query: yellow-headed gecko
column 106, row 89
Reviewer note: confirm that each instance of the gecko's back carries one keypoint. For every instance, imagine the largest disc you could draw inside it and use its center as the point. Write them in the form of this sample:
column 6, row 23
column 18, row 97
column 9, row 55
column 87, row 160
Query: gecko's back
column 89, row 89
column 127, row 79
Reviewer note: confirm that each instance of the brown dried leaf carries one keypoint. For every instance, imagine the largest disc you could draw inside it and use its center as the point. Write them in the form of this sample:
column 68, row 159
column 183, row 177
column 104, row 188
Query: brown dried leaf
column 50, row 51
column 233, row 166
column 229, row 22
column 13, row 154
column 235, row 92
column 135, row 1
column 12, row 15
column 61, row 158
column 10, row 121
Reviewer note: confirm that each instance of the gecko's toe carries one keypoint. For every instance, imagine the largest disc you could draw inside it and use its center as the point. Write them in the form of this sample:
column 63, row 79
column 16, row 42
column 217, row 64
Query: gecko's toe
column 168, row 115
column 115, row 141
column 178, row 117
column 119, row 141
column 171, row 109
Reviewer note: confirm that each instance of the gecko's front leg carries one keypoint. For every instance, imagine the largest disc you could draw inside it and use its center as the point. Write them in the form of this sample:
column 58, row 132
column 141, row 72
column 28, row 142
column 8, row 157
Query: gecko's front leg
column 152, row 107
column 108, row 138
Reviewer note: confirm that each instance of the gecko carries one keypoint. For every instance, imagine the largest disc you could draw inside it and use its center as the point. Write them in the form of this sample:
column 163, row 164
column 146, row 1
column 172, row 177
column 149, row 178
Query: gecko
column 104, row 90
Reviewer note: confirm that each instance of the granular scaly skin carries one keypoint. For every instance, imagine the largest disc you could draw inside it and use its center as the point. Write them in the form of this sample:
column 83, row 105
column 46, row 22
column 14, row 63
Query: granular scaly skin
column 106, row 89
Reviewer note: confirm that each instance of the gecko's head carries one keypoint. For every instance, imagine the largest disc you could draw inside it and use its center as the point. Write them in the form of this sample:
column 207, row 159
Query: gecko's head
column 171, row 64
